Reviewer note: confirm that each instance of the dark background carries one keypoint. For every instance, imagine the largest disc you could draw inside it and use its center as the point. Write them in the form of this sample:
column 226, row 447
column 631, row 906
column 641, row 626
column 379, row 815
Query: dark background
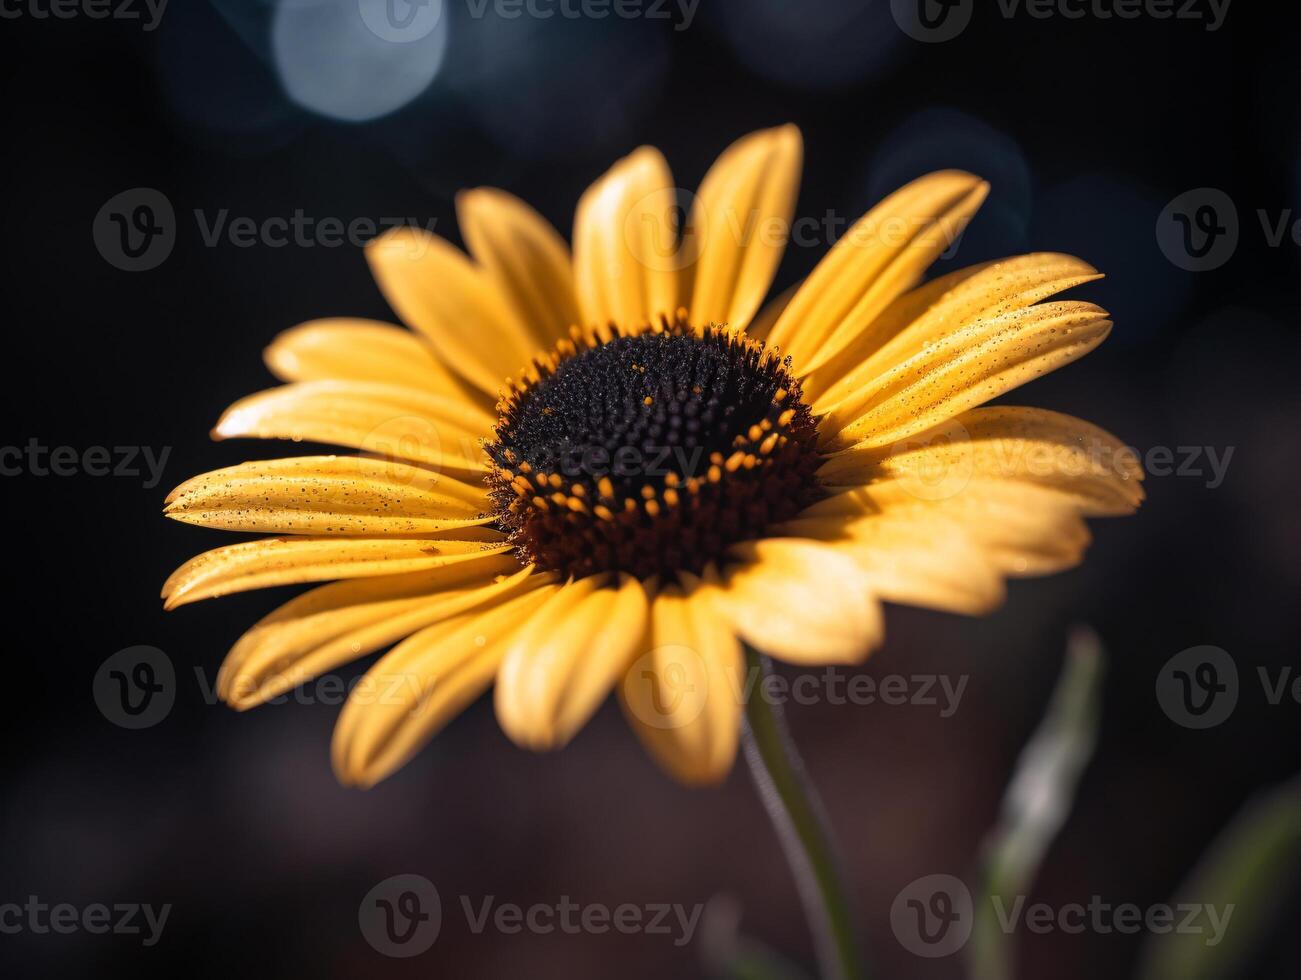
column 1087, row 128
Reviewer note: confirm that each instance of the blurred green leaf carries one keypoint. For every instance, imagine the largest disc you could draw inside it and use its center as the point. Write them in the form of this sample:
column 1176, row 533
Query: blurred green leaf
column 754, row 961
column 1037, row 801
column 729, row 955
column 1246, row 873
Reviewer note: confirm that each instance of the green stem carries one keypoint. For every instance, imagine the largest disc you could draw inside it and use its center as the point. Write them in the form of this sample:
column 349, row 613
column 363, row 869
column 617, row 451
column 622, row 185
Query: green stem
column 797, row 814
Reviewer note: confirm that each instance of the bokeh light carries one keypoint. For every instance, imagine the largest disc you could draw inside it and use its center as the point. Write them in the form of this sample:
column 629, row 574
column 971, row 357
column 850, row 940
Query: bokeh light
column 815, row 44
column 557, row 87
column 1109, row 221
column 346, row 59
column 943, row 138
column 214, row 67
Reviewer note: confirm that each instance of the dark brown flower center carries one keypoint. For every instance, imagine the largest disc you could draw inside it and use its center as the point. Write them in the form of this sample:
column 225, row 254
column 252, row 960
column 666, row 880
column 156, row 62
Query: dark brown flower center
column 651, row 452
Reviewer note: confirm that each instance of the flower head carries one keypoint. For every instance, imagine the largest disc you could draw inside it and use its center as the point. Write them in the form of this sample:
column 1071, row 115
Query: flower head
column 606, row 471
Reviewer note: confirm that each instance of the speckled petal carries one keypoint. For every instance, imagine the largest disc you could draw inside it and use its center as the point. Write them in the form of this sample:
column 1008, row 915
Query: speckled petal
column 929, row 312
column 350, row 349
column 963, row 369
column 337, row 623
column 1094, row 470
column 328, row 495
column 801, row 601
column 380, row 419
column 561, row 666
column 420, row 685
column 882, row 255
column 294, row 560
column 683, row 698
column 438, row 291
column 1015, row 529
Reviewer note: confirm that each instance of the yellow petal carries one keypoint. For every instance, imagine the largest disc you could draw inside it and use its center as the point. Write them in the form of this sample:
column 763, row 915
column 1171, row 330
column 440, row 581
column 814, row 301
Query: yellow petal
column 525, row 257
column 560, row 667
column 881, row 256
column 963, row 369
column 627, row 263
column 513, row 701
column 337, row 623
column 420, row 685
column 989, row 529
column 1094, row 470
column 925, row 564
column 762, row 324
column 927, row 313
column 293, row 560
column 801, row 601
column 348, row 349
column 381, row 419
column 436, row 290
column 846, row 370
column 328, row 495
column 683, row 697
column 739, row 224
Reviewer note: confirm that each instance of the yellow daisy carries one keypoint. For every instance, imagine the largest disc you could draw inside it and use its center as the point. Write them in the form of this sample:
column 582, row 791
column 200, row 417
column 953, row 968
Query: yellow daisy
column 608, row 470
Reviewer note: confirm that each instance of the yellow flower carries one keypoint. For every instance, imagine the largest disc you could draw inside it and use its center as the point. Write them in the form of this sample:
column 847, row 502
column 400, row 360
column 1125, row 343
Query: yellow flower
column 598, row 472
